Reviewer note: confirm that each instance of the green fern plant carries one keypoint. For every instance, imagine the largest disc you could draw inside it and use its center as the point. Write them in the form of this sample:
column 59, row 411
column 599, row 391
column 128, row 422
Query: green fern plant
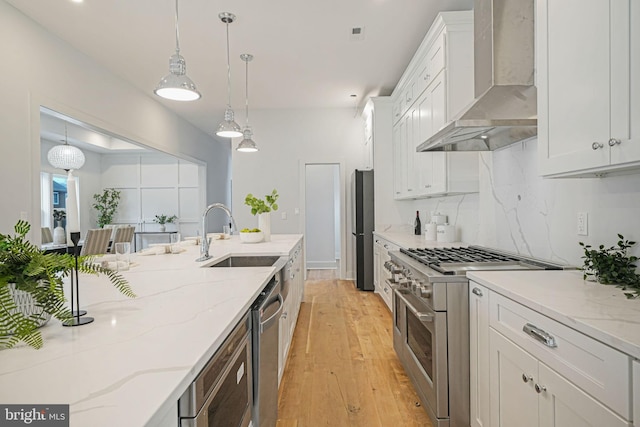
column 40, row 274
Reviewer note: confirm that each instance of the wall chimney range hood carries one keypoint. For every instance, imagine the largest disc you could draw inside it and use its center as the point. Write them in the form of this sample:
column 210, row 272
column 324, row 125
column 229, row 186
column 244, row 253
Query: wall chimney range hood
column 505, row 108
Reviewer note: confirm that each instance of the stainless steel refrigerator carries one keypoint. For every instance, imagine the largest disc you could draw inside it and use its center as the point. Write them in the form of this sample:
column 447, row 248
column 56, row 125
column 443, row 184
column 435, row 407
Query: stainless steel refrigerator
column 362, row 226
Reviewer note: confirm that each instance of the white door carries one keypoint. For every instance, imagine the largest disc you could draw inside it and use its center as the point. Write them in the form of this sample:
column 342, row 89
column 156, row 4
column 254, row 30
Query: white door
column 322, row 215
column 479, row 354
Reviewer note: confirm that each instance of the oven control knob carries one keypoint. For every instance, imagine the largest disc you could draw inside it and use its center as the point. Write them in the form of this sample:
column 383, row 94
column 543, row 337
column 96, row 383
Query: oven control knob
column 425, row 292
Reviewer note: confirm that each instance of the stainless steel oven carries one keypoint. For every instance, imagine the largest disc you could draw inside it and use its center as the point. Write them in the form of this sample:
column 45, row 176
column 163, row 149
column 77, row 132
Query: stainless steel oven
column 221, row 395
column 431, row 321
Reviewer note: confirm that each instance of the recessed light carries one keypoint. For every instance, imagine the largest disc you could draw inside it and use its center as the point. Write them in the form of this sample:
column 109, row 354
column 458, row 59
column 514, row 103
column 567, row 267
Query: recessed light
column 77, row 1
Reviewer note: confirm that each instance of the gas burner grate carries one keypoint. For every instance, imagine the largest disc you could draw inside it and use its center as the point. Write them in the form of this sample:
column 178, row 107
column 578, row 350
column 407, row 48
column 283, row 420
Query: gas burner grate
column 438, row 256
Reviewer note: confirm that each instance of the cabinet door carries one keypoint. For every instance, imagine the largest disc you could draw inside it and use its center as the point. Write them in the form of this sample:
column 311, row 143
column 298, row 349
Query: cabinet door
column 399, row 160
column 514, row 401
column 479, row 354
column 437, row 91
column 583, row 82
column 564, row 404
column 410, row 138
column 377, row 264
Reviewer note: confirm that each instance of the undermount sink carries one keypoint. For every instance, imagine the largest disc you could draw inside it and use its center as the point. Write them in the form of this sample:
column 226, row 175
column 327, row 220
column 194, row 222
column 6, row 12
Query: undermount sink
column 247, row 261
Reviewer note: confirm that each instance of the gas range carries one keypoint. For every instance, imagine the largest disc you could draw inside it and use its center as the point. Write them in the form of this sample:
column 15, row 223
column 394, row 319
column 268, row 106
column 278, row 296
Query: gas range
column 460, row 260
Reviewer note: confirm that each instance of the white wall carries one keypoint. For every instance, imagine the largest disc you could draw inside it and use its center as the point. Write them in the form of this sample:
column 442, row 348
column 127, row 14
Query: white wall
column 288, row 139
column 518, row 211
column 43, row 70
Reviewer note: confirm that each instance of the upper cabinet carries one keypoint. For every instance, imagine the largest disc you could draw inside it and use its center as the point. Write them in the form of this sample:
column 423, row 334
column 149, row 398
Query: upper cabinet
column 436, row 85
column 588, row 87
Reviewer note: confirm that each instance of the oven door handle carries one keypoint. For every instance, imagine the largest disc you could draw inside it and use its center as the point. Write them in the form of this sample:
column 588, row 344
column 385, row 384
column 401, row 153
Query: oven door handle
column 423, row 317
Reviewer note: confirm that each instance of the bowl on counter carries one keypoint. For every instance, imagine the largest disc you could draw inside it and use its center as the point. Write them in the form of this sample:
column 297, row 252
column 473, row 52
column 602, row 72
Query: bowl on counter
column 251, row 237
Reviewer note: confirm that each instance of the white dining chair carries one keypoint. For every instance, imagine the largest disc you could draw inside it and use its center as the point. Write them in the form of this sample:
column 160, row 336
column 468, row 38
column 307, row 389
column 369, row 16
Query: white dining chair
column 96, row 242
column 123, row 234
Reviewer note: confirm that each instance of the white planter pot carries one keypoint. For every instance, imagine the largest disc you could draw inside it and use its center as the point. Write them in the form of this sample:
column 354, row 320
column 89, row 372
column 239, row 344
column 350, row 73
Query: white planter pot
column 59, row 236
column 264, row 224
column 26, row 305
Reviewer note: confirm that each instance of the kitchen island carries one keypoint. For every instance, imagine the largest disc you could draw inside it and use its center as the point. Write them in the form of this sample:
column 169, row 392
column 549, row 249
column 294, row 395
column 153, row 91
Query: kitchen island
column 130, row 366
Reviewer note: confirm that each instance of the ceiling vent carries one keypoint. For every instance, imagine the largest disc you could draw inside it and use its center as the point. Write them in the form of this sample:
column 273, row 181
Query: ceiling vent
column 357, row 34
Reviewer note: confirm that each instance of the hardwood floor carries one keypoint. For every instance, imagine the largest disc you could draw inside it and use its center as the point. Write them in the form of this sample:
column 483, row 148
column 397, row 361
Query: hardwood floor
column 342, row 369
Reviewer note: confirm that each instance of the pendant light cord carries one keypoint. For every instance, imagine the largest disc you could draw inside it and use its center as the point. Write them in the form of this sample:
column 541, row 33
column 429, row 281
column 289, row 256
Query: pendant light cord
column 177, row 31
column 228, row 71
column 246, row 90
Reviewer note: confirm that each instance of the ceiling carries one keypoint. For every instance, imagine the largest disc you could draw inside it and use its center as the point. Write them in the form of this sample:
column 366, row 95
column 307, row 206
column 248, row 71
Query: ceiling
column 304, row 53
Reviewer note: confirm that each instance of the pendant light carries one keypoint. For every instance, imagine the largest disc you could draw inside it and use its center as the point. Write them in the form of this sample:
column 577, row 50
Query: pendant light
column 228, row 128
column 247, row 145
column 65, row 156
column 176, row 85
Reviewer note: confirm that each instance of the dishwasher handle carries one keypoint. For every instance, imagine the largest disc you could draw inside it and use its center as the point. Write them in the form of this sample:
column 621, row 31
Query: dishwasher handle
column 266, row 324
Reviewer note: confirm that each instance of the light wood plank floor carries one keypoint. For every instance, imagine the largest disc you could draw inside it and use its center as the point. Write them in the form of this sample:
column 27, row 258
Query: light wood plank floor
column 342, row 369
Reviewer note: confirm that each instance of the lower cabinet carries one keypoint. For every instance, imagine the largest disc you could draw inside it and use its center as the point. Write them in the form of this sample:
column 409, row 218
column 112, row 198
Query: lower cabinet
column 553, row 376
column 525, row 392
column 381, row 248
column 291, row 307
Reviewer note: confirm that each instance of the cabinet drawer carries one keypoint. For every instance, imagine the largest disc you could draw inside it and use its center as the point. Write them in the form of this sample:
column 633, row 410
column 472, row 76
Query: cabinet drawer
column 593, row 366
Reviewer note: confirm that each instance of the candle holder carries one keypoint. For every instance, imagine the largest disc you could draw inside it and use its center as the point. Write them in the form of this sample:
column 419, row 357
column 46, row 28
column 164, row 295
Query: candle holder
column 77, row 320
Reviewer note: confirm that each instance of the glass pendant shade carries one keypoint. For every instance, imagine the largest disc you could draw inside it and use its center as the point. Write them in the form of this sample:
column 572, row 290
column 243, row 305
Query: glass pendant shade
column 229, row 128
column 176, row 85
column 65, row 157
column 247, row 145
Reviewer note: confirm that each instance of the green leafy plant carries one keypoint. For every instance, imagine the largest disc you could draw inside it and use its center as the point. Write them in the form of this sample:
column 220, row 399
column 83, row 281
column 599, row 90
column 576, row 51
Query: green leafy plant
column 612, row 266
column 106, row 204
column 164, row 219
column 59, row 215
column 259, row 206
column 27, row 268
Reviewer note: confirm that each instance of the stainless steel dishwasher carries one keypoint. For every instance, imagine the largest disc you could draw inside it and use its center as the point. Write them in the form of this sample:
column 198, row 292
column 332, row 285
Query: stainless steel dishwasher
column 266, row 313
column 221, row 395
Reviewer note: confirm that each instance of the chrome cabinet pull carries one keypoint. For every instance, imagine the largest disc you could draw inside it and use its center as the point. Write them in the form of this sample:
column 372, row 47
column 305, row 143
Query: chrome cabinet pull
column 526, row 378
column 597, row 145
column 540, row 388
column 477, row 291
column 613, row 142
column 540, row 335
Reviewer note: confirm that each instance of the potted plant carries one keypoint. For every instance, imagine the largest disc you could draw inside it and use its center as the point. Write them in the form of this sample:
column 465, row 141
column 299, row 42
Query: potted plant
column 163, row 220
column 31, row 286
column 59, row 236
column 612, row 266
column 263, row 209
column 106, row 204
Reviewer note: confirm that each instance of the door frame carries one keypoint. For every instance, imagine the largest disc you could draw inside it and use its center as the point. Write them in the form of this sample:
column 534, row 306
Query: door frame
column 302, row 164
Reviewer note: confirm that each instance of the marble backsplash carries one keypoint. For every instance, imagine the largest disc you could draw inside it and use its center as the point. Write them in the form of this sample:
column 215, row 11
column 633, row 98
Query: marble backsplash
column 518, row 211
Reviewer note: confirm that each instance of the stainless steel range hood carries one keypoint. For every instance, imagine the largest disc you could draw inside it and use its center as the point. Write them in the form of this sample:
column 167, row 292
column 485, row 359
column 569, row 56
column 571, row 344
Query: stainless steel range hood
column 505, row 108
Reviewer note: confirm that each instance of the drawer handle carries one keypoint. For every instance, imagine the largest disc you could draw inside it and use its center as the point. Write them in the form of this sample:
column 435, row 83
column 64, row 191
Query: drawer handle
column 596, row 145
column 540, row 335
column 526, row 378
column 478, row 292
column 614, row 142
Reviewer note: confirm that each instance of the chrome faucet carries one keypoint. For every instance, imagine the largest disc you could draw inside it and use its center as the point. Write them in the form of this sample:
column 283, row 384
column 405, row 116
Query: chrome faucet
column 204, row 247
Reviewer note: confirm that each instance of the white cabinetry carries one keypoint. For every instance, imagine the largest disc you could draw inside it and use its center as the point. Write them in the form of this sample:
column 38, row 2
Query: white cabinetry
column 381, row 248
column 549, row 376
column 479, row 354
column 437, row 83
column 291, row 307
column 588, row 86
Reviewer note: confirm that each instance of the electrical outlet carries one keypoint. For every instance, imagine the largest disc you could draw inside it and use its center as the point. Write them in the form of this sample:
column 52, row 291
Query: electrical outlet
column 283, row 215
column 583, row 224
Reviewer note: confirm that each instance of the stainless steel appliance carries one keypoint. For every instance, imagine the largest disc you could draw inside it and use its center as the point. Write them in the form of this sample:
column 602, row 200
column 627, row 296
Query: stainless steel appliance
column 362, row 226
column 431, row 321
column 221, row 395
column 266, row 312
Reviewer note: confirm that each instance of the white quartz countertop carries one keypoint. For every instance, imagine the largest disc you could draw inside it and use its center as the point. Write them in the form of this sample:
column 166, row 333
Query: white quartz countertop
column 408, row 240
column 600, row 311
column 139, row 355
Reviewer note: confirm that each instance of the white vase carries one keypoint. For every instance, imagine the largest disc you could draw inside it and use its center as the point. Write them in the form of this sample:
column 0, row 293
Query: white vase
column 59, row 235
column 26, row 304
column 264, row 224
column 163, row 228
